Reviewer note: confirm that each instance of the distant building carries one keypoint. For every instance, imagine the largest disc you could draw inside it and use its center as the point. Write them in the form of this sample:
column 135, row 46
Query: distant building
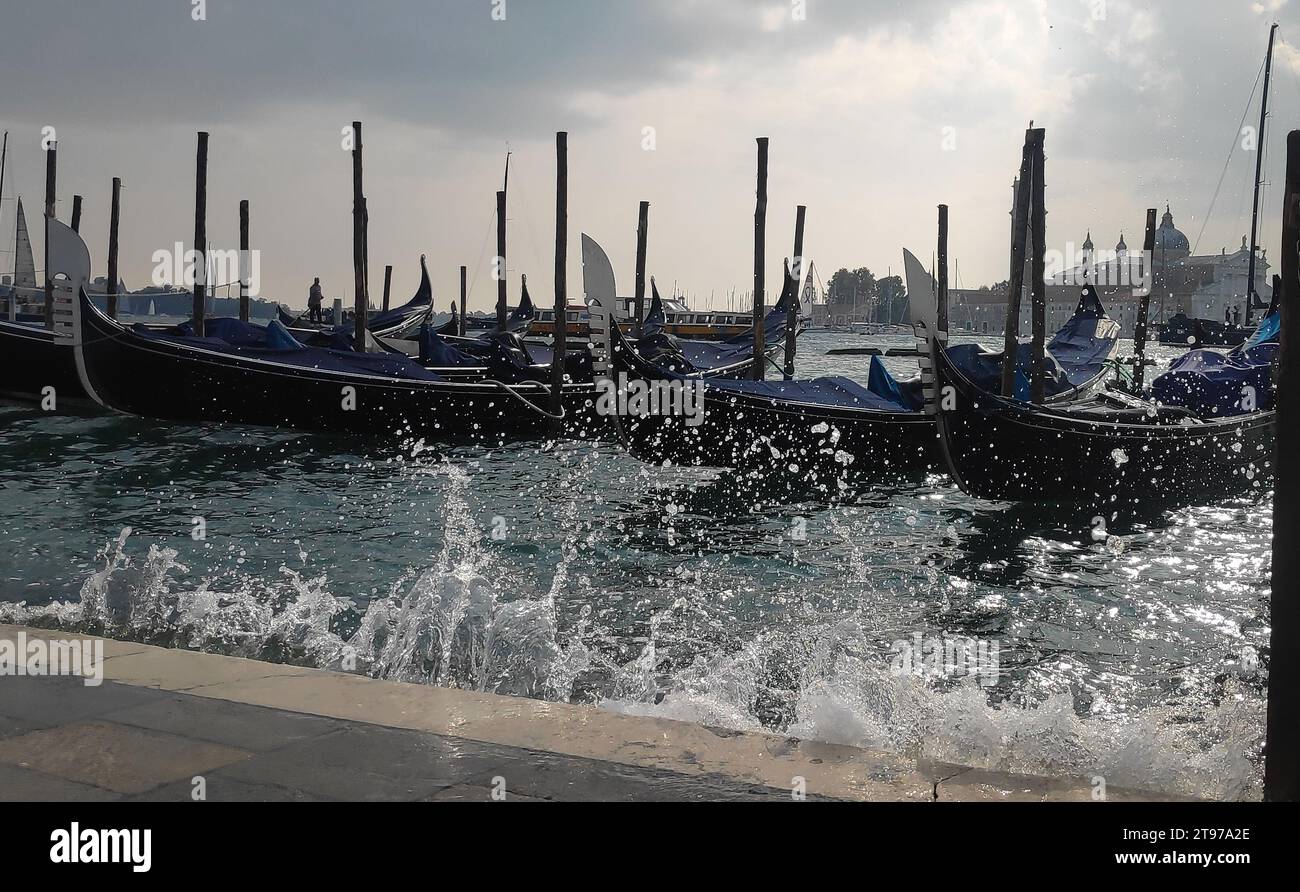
column 1202, row 286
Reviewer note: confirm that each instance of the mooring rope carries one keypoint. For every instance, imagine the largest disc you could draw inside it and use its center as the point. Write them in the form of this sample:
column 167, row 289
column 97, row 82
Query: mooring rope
column 514, row 393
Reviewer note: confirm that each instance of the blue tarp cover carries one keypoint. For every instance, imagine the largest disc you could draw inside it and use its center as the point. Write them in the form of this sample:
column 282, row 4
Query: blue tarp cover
column 388, row 365
column 232, row 331
column 435, row 351
column 906, row 394
column 840, row 393
column 1213, row 385
column 1086, row 341
column 1075, row 356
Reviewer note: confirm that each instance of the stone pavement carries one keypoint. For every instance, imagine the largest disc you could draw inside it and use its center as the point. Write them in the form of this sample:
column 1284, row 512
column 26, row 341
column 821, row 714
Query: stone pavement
column 253, row 731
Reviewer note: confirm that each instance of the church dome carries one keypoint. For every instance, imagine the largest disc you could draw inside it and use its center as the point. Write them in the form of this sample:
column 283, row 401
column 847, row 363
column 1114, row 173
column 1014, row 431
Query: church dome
column 1168, row 238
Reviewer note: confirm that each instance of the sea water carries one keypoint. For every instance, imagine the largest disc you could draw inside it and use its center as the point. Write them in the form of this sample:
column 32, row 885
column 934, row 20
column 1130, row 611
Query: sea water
column 1136, row 653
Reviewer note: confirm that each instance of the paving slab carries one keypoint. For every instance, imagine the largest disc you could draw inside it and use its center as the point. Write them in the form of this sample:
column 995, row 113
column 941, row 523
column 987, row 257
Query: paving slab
column 48, row 702
column 115, row 757
column 25, row 785
column 221, row 788
column 369, row 762
column 253, row 728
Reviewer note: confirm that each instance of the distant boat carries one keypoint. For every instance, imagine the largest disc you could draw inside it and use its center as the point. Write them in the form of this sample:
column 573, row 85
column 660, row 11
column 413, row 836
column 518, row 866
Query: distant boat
column 401, row 322
column 1182, row 331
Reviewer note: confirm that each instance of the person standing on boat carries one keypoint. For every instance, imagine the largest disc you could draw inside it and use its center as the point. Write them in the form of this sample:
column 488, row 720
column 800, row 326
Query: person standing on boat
column 315, row 298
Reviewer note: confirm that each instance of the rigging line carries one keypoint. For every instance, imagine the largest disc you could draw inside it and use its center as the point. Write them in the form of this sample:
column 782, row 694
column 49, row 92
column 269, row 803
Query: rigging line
column 524, row 221
column 1206, row 220
column 478, row 264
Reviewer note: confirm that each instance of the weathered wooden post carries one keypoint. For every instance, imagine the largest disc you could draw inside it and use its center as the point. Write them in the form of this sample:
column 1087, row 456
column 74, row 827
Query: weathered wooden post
column 642, row 233
column 941, row 319
column 51, row 175
column 1038, row 233
column 1144, row 305
column 559, row 345
column 1282, row 737
column 358, row 242
column 760, row 244
column 792, row 312
column 200, row 235
column 114, row 213
column 76, row 214
column 1016, row 287
column 464, row 297
column 388, row 284
column 501, row 261
column 245, row 262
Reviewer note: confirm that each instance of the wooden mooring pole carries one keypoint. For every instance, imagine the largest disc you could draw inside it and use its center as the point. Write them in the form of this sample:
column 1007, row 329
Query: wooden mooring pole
column 1016, row 286
column 76, row 214
column 501, row 261
column 114, row 214
column 464, row 297
column 559, row 345
column 792, row 312
column 642, row 234
column 1038, row 233
column 388, row 284
column 941, row 320
column 1144, row 305
column 1282, row 735
column 245, row 262
column 759, row 362
column 199, row 306
column 358, row 242
column 51, row 175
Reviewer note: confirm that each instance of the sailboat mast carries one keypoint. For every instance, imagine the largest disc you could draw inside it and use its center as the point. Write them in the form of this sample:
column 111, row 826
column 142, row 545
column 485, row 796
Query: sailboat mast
column 4, row 157
column 1259, row 175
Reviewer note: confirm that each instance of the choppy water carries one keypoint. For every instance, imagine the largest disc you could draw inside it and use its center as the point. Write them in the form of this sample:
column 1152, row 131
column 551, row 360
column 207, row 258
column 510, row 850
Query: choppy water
column 581, row 575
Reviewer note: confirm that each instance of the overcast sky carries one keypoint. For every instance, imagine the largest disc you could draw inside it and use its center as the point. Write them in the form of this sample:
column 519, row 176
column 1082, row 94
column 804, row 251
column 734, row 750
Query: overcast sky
column 862, row 100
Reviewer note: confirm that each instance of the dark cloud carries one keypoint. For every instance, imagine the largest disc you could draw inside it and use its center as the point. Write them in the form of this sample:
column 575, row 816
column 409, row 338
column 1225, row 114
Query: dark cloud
column 1141, row 107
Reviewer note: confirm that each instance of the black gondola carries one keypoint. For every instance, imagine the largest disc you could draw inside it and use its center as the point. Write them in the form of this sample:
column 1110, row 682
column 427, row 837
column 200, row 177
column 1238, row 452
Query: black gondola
column 170, row 377
column 36, row 365
column 1111, row 450
column 830, row 425
column 518, row 320
column 33, row 359
column 35, row 362
column 400, row 322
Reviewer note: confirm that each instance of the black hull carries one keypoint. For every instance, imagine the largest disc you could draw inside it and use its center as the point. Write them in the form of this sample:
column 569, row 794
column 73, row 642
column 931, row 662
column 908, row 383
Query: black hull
column 1194, row 333
column 1009, row 451
column 32, row 360
column 177, row 382
column 744, row 431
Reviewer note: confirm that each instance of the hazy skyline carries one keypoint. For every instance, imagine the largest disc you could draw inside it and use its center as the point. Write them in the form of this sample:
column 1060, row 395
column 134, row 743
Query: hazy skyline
column 877, row 112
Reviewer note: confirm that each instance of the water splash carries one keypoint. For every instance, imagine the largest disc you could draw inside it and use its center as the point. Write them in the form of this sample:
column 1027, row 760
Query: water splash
column 451, row 626
column 465, row 617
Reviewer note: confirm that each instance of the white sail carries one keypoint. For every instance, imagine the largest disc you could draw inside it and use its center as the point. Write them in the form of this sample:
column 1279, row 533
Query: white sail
column 597, row 274
column 24, row 265
column 809, row 295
